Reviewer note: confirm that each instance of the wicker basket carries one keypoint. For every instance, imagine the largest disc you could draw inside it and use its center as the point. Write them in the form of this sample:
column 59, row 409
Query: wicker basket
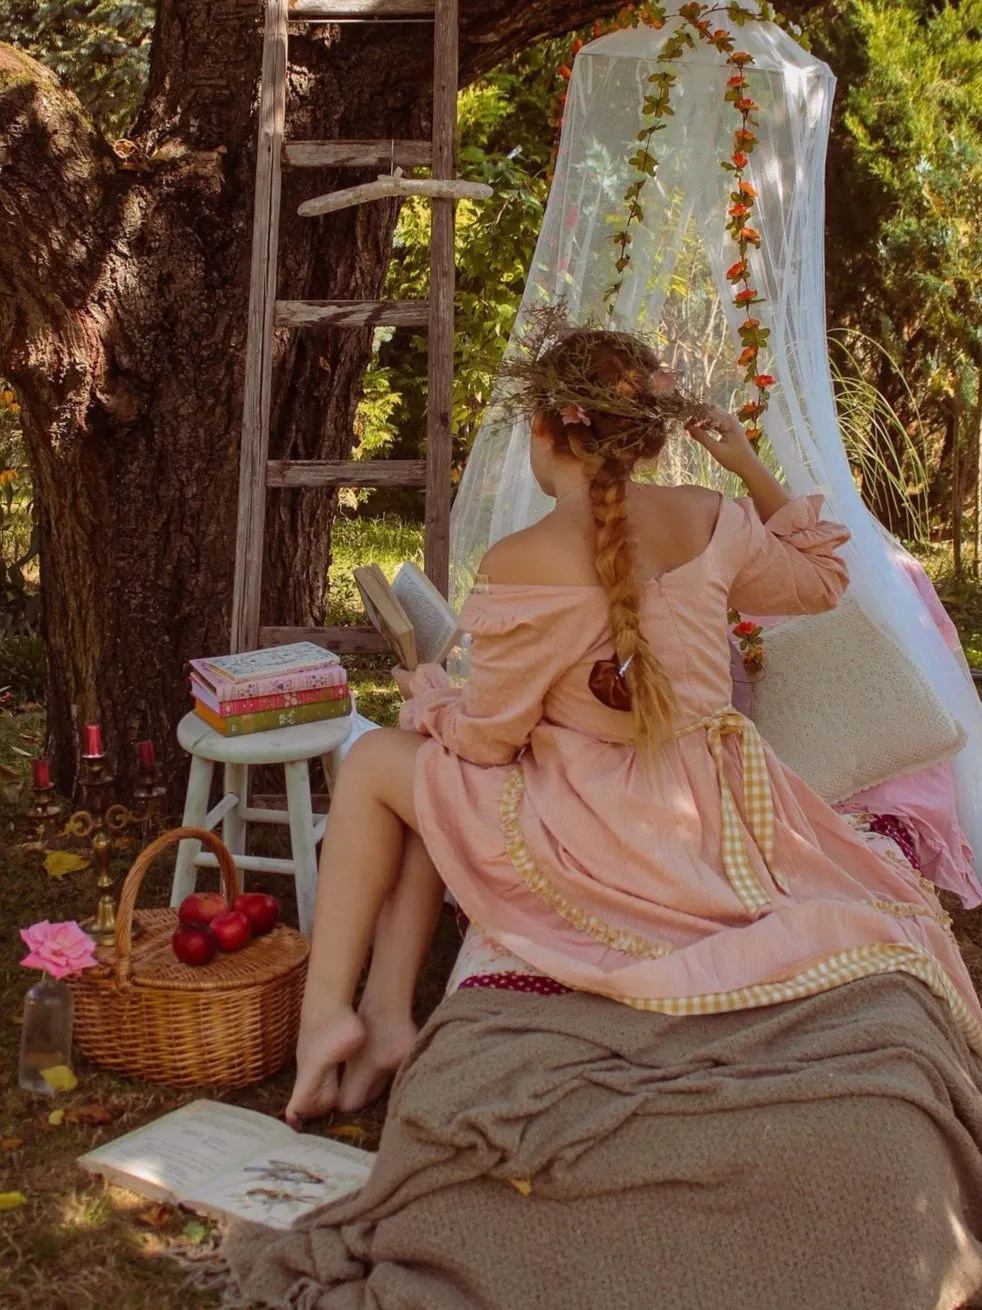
column 229, row 1023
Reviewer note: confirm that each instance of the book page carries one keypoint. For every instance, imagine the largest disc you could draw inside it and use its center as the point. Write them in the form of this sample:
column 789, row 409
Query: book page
column 286, row 1182
column 184, row 1149
column 386, row 614
column 433, row 621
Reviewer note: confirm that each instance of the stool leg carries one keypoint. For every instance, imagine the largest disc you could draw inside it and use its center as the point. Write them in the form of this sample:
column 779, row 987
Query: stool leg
column 195, row 810
column 234, row 825
column 302, row 841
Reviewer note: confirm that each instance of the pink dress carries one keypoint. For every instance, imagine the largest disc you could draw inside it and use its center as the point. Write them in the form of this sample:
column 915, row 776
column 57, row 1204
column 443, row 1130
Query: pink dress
column 713, row 880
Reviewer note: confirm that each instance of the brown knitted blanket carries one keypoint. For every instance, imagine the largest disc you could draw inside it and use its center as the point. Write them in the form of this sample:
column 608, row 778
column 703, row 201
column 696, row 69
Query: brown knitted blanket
column 570, row 1153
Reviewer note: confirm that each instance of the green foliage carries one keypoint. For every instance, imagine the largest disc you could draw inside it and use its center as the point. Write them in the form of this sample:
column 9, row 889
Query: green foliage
column 18, row 527
column 99, row 48
column 905, row 247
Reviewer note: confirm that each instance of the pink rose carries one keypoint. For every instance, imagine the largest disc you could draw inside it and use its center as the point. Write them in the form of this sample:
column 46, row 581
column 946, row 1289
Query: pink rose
column 61, row 949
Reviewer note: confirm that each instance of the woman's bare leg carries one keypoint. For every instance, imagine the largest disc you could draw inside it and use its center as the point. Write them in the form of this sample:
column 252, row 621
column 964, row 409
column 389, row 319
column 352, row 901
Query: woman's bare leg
column 371, row 810
column 405, row 929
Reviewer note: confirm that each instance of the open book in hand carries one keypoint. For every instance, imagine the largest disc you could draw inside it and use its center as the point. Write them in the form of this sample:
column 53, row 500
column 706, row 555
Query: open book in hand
column 232, row 1163
column 409, row 612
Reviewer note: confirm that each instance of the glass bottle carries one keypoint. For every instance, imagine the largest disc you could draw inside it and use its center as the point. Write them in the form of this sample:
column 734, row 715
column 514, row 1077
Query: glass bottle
column 46, row 1037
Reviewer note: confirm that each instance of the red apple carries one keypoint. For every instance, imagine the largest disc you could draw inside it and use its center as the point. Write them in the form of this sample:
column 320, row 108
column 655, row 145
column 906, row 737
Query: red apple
column 262, row 911
column 194, row 944
column 201, row 907
column 232, row 930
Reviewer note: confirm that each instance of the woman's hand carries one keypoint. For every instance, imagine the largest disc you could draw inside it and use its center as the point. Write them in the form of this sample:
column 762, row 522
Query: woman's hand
column 730, row 446
column 402, row 678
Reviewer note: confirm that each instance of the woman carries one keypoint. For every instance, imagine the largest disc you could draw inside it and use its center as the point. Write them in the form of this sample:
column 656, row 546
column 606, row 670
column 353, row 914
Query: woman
column 589, row 796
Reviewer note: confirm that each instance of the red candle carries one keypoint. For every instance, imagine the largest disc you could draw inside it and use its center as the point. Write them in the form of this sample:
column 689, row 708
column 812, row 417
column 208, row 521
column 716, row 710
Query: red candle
column 144, row 753
column 93, row 739
column 40, row 776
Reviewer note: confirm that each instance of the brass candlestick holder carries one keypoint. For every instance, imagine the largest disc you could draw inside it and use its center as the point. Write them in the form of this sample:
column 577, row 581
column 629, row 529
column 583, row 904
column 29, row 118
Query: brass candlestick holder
column 44, row 810
column 104, row 826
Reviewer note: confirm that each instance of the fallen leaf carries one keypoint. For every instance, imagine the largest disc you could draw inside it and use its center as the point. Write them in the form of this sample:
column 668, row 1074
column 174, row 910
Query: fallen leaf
column 56, row 1118
column 60, row 1078
column 58, row 863
column 11, row 1200
column 522, row 1185
column 155, row 1216
column 11, row 1143
column 352, row 1132
column 195, row 1230
column 89, row 1114
column 17, row 751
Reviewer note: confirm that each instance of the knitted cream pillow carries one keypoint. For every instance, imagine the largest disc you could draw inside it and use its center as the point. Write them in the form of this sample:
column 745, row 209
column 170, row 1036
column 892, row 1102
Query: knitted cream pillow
column 843, row 708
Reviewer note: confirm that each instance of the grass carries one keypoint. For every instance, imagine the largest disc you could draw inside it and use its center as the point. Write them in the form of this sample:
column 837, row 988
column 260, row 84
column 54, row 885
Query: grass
column 79, row 1243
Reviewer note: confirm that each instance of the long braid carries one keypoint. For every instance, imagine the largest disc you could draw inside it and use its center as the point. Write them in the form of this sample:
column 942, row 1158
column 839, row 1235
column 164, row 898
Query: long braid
column 652, row 697
column 611, row 371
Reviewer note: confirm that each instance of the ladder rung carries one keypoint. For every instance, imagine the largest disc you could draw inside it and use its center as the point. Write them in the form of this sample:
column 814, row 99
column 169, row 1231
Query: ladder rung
column 343, row 641
column 353, row 313
column 346, row 473
column 338, row 9
column 358, row 154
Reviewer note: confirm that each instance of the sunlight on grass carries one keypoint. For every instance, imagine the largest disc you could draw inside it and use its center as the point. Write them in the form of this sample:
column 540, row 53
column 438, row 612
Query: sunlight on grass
column 86, row 1211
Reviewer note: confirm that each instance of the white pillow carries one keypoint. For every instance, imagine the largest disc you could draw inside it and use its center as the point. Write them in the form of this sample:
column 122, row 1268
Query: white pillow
column 843, row 708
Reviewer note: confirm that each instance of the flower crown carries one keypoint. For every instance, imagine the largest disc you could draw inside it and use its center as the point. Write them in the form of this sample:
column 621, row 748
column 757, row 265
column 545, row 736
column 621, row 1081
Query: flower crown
column 565, row 384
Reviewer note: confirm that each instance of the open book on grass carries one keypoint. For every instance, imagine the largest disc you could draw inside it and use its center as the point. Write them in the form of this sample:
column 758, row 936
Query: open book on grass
column 409, row 612
column 232, row 1163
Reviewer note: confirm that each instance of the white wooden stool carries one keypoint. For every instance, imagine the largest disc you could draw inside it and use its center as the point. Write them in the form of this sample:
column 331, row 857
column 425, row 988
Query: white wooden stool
column 294, row 748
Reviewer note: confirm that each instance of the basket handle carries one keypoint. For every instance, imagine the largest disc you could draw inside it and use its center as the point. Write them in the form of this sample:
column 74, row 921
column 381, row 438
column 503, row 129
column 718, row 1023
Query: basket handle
column 231, row 886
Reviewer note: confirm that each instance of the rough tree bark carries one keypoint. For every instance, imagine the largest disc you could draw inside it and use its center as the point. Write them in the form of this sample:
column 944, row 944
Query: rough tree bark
column 123, row 291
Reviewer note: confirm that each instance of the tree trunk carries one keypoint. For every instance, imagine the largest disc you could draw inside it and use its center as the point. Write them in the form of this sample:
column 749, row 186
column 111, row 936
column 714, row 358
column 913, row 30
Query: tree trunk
column 124, row 279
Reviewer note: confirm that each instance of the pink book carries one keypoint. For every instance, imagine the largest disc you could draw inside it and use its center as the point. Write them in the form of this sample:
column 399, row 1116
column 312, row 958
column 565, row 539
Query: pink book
column 284, row 700
column 274, row 672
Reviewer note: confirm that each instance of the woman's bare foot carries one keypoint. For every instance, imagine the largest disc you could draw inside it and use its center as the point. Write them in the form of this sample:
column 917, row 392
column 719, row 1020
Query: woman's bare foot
column 326, row 1040
column 367, row 1073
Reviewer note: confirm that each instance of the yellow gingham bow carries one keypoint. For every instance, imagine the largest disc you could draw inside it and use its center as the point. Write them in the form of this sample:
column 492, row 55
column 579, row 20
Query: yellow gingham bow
column 760, row 805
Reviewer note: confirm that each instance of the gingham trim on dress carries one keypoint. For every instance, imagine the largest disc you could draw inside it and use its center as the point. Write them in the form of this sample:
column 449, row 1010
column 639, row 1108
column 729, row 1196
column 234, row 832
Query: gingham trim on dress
column 619, row 939
column 833, row 971
column 758, row 799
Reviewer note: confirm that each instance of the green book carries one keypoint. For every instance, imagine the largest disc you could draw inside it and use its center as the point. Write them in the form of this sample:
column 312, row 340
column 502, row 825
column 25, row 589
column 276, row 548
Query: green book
column 239, row 725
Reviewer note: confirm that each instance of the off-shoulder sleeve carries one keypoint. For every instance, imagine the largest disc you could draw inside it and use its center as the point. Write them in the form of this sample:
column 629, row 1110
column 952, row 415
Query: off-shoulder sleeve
column 790, row 564
column 516, row 655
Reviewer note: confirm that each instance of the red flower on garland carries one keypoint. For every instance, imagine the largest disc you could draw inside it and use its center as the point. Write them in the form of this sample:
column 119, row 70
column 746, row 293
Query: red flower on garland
column 745, row 297
column 746, row 105
column 746, row 189
column 763, row 380
column 743, row 137
column 739, row 211
column 739, row 80
column 740, row 58
column 739, row 159
column 748, row 356
column 751, row 235
column 750, row 323
column 565, row 72
column 745, row 629
column 740, row 269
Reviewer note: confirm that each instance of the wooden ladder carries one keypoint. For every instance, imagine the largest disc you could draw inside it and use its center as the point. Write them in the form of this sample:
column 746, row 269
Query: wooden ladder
column 257, row 472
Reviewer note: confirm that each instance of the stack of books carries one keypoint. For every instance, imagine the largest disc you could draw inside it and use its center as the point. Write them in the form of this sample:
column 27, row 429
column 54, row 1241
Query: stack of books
column 260, row 690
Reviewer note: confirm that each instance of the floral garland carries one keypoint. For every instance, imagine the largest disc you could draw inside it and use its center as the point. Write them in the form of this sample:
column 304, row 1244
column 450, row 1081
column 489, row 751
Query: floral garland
column 656, row 108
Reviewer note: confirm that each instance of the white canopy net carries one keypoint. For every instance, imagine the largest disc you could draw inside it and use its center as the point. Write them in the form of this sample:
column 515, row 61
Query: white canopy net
column 676, row 287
